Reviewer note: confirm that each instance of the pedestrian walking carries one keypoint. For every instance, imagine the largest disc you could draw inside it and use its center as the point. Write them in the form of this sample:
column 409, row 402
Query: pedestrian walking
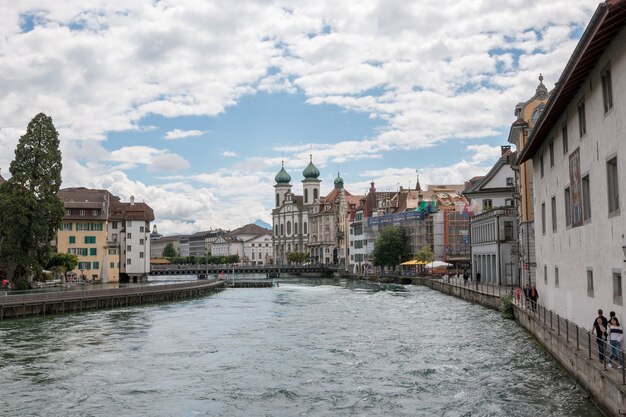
column 465, row 277
column 599, row 330
column 527, row 295
column 616, row 335
column 534, row 296
column 477, row 276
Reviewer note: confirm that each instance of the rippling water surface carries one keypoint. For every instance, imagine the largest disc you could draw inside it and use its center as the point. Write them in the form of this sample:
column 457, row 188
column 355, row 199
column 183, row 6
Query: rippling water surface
column 314, row 348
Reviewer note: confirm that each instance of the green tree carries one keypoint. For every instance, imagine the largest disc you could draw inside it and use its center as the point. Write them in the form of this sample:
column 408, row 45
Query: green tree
column 297, row 257
column 65, row 260
column 424, row 254
column 391, row 247
column 30, row 210
column 169, row 251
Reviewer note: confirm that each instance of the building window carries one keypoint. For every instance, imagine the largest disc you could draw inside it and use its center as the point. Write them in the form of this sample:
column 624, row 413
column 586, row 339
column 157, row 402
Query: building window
column 509, row 202
column 129, row 223
column 545, row 274
column 141, row 229
column 90, row 239
column 305, row 228
column 590, row 282
column 612, row 185
column 112, row 265
column 565, row 144
column 282, row 230
column 95, row 212
column 93, row 251
column 617, row 287
column 508, row 231
column 141, row 254
column 551, row 150
column 141, row 242
column 586, row 198
column 582, row 121
column 129, row 248
column 275, row 230
column 114, row 225
column 568, row 207
column 128, row 261
column 129, row 235
column 607, row 90
column 277, row 199
column 487, row 204
column 315, row 194
column 81, row 212
column 68, row 212
column 288, row 228
column 96, row 265
column 306, row 196
column 556, row 276
column 509, row 181
column 553, row 204
column 541, row 165
column 543, row 218
column 295, row 228
column 72, row 239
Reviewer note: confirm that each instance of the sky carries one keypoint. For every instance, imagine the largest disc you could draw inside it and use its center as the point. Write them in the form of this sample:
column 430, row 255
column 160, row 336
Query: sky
column 192, row 106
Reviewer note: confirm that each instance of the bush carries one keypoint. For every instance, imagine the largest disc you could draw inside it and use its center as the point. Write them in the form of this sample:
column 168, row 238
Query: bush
column 506, row 306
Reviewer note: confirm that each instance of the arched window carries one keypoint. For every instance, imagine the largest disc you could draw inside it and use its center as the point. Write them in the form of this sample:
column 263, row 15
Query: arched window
column 288, row 228
column 282, row 230
column 275, row 230
column 306, row 196
column 295, row 228
column 315, row 194
column 277, row 199
column 305, row 228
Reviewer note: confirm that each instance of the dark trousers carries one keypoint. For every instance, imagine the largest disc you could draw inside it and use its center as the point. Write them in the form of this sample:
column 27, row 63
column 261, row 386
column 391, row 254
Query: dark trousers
column 601, row 348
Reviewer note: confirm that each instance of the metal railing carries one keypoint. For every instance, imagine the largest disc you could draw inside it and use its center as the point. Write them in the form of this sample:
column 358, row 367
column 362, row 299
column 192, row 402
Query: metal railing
column 578, row 338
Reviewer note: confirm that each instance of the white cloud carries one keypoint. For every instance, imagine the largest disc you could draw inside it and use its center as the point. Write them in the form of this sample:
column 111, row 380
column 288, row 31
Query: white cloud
column 431, row 76
column 179, row 134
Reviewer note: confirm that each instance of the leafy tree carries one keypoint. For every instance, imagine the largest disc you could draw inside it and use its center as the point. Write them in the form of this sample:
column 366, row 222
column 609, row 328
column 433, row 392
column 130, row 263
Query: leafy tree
column 65, row 260
column 297, row 257
column 391, row 247
column 169, row 251
column 30, row 210
column 424, row 254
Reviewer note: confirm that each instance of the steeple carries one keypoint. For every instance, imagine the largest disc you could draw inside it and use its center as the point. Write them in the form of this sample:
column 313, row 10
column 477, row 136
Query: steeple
column 418, row 187
column 338, row 181
column 282, row 177
column 311, row 172
column 542, row 91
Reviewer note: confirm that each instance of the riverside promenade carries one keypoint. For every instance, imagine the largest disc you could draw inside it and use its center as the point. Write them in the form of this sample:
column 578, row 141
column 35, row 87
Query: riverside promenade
column 574, row 347
column 59, row 302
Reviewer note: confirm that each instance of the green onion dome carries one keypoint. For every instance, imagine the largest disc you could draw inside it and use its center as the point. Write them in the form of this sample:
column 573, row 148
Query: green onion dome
column 338, row 182
column 282, row 177
column 311, row 171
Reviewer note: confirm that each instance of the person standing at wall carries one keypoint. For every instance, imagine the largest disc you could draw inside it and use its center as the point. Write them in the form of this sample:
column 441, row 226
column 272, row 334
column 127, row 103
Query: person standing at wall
column 599, row 330
column 616, row 335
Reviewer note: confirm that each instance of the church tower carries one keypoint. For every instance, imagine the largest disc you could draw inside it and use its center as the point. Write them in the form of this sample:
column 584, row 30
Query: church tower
column 282, row 185
column 311, row 183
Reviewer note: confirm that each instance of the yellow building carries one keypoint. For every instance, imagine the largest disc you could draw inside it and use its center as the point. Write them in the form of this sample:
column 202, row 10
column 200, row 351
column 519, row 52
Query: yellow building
column 527, row 114
column 84, row 234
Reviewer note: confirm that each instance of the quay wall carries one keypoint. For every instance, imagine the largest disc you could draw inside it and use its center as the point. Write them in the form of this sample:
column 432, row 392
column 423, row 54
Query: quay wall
column 605, row 385
column 15, row 306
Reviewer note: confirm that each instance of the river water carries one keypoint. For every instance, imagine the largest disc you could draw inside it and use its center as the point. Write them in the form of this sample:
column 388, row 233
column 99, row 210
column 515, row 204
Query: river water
column 314, row 348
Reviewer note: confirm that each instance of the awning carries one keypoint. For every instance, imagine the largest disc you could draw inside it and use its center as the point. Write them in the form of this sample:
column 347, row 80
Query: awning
column 414, row 262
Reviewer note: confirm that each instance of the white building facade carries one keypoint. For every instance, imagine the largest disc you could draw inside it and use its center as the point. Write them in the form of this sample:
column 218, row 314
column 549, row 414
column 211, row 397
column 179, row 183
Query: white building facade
column 578, row 149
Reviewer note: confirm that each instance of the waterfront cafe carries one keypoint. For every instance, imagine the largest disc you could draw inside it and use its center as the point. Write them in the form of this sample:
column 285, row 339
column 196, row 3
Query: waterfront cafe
column 412, row 267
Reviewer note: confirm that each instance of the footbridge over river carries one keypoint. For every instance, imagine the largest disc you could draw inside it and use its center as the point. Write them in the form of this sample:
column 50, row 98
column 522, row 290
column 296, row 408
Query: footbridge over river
column 271, row 271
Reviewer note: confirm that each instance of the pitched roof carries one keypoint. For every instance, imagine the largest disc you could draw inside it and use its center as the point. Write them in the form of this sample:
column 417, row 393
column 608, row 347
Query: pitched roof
column 249, row 229
column 605, row 24
column 478, row 185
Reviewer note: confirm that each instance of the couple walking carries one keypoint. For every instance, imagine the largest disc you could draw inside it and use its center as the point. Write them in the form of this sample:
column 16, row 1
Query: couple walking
column 609, row 330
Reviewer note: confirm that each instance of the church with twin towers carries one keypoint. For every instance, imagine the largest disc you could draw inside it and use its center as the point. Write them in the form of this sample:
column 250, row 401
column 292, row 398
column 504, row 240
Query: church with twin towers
column 310, row 223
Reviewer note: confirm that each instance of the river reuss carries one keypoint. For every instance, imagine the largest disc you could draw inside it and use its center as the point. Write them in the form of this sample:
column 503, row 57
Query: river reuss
column 305, row 348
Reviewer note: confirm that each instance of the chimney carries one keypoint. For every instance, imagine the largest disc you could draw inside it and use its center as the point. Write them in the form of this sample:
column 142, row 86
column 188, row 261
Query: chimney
column 504, row 149
column 132, row 200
